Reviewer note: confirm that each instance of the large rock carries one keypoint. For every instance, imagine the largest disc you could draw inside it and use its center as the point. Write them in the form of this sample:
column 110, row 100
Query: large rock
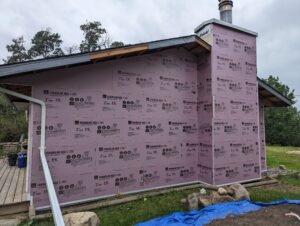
column 282, row 167
column 239, row 192
column 217, row 198
column 192, row 202
column 82, row 219
column 298, row 176
column 204, row 201
column 222, row 191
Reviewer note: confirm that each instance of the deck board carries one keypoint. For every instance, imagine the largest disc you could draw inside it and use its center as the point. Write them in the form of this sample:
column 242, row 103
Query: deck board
column 12, row 188
column 7, row 184
column 19, row 190
column 4, row 177
column 12, row 184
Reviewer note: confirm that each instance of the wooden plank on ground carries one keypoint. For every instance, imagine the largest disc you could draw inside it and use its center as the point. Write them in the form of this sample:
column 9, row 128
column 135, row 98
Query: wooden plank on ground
column 19, row 190
column 24, row 194
column 14, row 208
column 6, row 185
column 3, row 177
column 12, row 189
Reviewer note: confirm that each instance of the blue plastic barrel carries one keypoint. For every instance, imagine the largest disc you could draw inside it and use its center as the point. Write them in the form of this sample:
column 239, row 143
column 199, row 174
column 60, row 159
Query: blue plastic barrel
column 22, row 160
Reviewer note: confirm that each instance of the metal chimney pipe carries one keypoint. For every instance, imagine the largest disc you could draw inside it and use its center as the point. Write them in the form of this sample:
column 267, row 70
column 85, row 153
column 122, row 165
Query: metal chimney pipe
column 225, row 7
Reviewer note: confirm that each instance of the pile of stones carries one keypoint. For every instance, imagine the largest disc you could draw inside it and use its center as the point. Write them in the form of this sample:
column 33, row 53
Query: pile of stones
column 231, row 193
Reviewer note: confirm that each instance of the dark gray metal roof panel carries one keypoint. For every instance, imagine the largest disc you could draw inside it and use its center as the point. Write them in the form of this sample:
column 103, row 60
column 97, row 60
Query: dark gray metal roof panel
column 273, row 91
column 36, row 65
column 49, row 63
column 172, row 42
column 222, row 23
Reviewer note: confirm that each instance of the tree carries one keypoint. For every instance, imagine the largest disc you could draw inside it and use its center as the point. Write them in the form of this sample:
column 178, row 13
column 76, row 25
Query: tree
column 17, row 50
column 46, row 44
column 282, row 124
column 95, row 37
column 116, row 44
column 72, row 49
column 12, row 120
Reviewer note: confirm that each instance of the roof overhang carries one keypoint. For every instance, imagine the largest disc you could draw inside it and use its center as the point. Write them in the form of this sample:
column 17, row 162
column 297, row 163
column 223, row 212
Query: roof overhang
column 271, row 97
column 191, row 43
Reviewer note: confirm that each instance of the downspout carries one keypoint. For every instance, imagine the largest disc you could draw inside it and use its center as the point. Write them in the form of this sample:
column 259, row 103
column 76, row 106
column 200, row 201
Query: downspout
column 57, row 215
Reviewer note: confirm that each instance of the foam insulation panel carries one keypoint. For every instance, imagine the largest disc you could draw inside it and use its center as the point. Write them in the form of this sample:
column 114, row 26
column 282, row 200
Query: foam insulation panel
column 149, row 121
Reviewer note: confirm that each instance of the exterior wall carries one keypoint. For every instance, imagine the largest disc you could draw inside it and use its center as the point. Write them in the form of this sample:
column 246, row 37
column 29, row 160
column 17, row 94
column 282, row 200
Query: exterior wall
column 117, row 127
column 235, row 98
column 149, row 121
column 205, row 113
column 263, row 155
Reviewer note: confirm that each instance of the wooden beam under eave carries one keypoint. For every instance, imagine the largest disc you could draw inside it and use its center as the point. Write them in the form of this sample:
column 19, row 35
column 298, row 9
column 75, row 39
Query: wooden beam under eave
column 118, row 52
column 203, row 44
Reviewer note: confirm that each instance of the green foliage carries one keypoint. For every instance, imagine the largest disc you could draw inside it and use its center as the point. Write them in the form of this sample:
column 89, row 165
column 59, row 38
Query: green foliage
column 94, row 36
column 12, row 122
column 17, row 50
column 282, row 124
column 116, row 44
column 46, row 44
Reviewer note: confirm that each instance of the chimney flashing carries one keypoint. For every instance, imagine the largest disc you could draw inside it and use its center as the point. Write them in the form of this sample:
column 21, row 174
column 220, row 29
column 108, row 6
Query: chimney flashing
column 224, row 24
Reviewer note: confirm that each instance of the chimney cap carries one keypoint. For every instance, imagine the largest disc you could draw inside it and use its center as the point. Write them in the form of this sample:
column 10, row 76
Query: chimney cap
column 225, row 2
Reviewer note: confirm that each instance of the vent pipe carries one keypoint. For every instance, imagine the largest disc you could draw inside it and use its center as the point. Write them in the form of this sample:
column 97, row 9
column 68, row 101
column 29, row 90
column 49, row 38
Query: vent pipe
column 225, row 7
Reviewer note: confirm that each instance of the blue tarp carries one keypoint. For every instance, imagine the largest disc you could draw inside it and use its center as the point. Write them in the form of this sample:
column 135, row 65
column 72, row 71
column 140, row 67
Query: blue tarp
column 208, row 214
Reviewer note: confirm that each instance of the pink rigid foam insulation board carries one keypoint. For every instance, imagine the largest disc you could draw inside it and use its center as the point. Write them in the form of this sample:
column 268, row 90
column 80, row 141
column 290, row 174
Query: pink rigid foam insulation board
column 149, row 121
column 122, row 126
column 262, row 135
column 235, row 123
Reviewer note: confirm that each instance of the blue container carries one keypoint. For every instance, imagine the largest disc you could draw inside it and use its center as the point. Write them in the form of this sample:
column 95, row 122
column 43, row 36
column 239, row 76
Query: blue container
column 22, row 160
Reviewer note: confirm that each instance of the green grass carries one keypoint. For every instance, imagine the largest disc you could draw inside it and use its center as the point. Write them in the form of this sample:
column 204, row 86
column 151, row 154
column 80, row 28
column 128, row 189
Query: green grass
column 262, row 195
column 134, row 212
column 277, row 155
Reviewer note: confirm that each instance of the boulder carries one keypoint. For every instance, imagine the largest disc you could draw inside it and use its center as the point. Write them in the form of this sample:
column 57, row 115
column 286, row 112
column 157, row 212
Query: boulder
column 282, row 167
column 192, row 202
column 216, row 198
column 298, row 176
column 222, row 191
column 203, row 191
column 204, row 201
column 229, row 190
column 240, row 192
column 81, row 219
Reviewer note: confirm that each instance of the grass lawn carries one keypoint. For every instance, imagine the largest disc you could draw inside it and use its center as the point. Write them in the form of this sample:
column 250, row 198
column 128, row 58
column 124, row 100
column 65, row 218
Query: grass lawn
column 142, row 210
column 277, row 155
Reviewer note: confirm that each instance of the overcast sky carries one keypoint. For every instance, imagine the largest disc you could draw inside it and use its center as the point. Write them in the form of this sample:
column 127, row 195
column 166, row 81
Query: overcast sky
column 132, row 21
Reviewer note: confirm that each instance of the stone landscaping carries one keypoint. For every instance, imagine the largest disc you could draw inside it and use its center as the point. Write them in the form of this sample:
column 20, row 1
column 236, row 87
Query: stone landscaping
column 231, row 193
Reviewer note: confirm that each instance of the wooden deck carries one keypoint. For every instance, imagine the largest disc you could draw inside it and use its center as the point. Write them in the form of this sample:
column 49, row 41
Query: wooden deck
column 13, row 197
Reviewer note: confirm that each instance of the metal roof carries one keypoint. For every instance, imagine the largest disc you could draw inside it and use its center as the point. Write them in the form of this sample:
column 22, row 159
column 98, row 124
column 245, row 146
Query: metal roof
column 82, row 58
column 192, row 43
column 222, row 23
column 271, row 96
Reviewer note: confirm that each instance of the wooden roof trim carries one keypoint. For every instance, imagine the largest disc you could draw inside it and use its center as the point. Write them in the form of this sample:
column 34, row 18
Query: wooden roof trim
column 118, row 52
column 204, row 44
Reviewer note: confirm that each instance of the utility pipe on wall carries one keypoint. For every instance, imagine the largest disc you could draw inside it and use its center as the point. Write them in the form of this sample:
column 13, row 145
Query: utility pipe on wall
column 57, row 215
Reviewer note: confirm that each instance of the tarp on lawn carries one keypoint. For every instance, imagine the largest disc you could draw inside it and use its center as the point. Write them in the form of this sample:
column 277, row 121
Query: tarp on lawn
column 208, row 214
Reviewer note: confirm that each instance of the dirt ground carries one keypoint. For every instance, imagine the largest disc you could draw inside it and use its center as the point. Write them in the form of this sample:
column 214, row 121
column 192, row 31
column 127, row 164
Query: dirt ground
column 268, row 216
